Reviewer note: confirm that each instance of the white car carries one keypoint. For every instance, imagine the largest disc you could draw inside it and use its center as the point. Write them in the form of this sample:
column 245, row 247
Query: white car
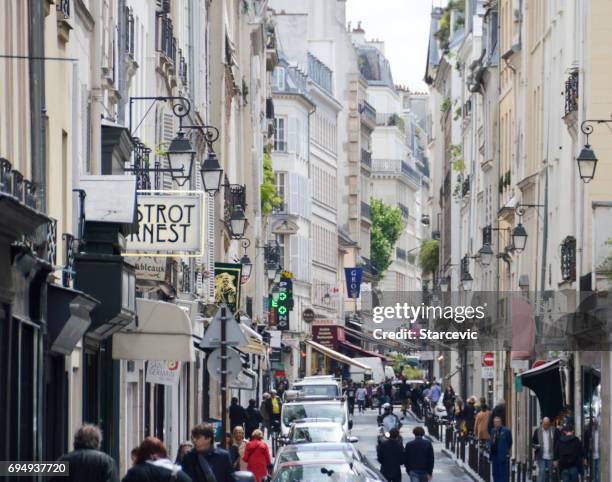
column 317, row 431
column 333, row 410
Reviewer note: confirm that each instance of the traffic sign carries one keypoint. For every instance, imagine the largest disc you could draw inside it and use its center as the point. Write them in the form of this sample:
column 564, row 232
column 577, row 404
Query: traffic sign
column 234, row 335
column 487, row 368
column 232, row 368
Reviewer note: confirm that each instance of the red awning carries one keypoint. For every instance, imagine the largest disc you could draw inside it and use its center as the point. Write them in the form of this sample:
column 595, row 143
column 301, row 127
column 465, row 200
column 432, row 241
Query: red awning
column 357, row 348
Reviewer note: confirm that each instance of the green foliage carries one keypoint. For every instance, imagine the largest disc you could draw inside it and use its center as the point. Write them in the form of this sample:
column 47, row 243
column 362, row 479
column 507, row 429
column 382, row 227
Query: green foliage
column 269, row 199
column 387, row 227
column 457, row 163
column 446, row 105
column 458, row 113
column 429, row 256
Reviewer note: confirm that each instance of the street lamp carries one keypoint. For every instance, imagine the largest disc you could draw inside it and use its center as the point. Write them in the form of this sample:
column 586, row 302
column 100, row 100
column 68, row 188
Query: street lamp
column 587, row 162
column 238, row 222
column 180, row 158
column 247, row 266
column 467, row 281
column 485, row 254
column 444, row 284
column 519, row 238
column 211, row 173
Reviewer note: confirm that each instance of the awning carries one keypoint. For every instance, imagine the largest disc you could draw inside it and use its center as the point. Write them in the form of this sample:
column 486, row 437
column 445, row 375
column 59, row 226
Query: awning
column 163, row 333
column 359, row 349
column 547, row 382
column 338, row 356
column 256, row 345
column 68, row 318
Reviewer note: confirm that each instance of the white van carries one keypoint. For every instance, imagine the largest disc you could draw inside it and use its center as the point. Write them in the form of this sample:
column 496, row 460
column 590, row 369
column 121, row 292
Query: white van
column 318, row 386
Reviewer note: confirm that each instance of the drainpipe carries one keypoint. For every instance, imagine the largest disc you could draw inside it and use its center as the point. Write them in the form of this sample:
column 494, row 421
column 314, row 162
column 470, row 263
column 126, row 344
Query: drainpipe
column 38, row 116
column 121, row 49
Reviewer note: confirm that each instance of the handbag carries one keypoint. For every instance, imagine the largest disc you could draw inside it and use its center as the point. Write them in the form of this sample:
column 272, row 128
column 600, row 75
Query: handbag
column 209, row 475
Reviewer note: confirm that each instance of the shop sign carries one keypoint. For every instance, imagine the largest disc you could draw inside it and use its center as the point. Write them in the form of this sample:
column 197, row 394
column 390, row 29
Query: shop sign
column 168, row 222
column 163, row 372
column 150, row 268
column 353, row 281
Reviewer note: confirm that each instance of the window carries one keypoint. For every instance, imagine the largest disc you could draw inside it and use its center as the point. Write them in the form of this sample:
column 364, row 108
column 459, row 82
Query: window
column 279, row 135
column 280, row 182
column 279, row 78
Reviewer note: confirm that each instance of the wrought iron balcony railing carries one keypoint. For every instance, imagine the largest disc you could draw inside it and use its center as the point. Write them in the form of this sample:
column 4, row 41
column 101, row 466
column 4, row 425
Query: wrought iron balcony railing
column 571, row 93
column 366, row 210
column 395, row 166
column 368, row 111
column 13, row 183
column 320, row 73
column 166, row 42
column 43, row 242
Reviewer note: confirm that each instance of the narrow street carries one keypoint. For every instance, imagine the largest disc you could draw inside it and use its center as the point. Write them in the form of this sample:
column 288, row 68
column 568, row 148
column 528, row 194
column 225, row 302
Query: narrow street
column 366, row 429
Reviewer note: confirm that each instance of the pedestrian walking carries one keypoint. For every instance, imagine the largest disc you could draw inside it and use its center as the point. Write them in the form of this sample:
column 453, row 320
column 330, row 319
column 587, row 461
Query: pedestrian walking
column 257, row 456
column 369, row 396
column 543, row 442
column 237, row 414
column 388, row 388
column 569, row 455
column 265, row 414
column 403, row 393
column 153, row 465
column 591, row 445
column 274, row 406
column 380, row 395
column 434, row 394
column 448, row 399
column 415, row 396
column 253, row 418
column 390, row 454
column 459, row 416
column 419, row 457
column 86, row 461
column 350, row 397
column 498, row 411
column 469, row 413
column 206, row 462
column 236, row 451
column 361, row 396
column 481, row 424
column 500, row 444
column 183, row 449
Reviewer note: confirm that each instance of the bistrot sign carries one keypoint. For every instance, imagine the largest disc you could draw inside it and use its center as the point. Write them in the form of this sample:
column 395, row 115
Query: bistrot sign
column 168, row 222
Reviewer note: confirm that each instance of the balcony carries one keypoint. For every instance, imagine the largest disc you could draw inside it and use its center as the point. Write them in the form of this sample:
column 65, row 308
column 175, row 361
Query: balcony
column 368, row 113
column 320, row 73
column 390, row 120
column 366, row 158
column 165, row 40
column 395, row 167
column 182, row 70
column 404, row 210
column 571, row 93
column 366, row 210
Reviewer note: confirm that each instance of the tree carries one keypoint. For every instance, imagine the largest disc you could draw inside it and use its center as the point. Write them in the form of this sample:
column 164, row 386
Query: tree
column 387, row 227
column 429, row 256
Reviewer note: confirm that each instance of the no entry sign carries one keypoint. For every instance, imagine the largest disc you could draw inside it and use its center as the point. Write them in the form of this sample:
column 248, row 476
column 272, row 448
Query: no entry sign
column 487, row 368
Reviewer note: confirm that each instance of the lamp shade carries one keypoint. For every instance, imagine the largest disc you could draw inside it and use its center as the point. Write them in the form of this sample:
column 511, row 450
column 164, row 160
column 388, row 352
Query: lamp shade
column 486, row 254
column 467, row 281
column 519, row 237
column 211, row 173
column 587, row 162
column 247, row 266
column 238, row 222
column 180, row 158
column 444, row 284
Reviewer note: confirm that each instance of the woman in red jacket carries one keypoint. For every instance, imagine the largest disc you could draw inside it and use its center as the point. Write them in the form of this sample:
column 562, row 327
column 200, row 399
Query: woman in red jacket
column 257, row 455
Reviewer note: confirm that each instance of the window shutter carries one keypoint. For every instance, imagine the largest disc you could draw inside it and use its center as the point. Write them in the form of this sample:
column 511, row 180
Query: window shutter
column 292, row 138
column 210, row 245
column 167, row 136
column 294, row 199
column 294, row 254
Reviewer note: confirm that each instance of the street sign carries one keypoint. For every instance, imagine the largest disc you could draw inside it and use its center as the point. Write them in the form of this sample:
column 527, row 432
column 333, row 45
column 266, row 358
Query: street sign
column 163, row 372
column 234, row 336
column 232, row 368
column 308, row 315
column 353, row 281
column 275, row 339
column 487, row 369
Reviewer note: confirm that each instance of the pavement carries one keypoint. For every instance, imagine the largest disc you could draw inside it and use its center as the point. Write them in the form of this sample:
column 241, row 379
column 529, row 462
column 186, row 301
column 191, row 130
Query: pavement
column 366, row 429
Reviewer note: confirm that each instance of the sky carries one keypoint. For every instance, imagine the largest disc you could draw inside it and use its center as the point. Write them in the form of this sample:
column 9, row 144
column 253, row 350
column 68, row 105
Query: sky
column 404, row 26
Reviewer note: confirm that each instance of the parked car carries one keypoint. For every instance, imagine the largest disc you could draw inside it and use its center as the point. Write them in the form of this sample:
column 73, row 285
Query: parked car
column 334, row 410
column 322, row 453
column 318, row 386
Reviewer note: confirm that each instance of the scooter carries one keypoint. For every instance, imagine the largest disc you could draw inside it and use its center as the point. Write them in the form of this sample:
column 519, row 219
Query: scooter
column 386, row 424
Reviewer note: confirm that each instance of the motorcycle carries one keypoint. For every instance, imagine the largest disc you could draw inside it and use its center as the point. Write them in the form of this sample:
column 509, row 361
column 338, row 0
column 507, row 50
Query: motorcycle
column 386, row 424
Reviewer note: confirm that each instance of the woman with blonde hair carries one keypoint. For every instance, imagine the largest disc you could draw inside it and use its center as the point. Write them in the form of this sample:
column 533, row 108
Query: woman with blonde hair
column 238, row 447
column 257, row 455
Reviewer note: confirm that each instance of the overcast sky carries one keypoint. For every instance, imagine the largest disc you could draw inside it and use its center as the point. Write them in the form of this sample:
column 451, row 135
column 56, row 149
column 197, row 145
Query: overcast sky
column 404, row 26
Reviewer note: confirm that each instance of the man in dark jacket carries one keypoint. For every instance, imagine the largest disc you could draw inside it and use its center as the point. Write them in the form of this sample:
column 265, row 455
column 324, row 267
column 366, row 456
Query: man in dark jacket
column 390, row 454
column 499, row 410
column 543, row 442
column 569, row 455
column 419, row 457
column 253, row 418
column 404, row 392
column 500, row 444
column 87, row 462
column 237, row 414
column 206, row 461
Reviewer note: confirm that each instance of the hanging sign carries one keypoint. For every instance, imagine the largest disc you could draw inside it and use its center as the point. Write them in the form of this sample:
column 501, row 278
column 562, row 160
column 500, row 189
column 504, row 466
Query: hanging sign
column 168, row 222
column 150, row 268
column 163, row 372
column 353, row 281
column 227, row 284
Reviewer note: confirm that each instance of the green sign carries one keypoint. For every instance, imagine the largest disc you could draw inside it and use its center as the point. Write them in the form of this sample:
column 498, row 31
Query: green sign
column 518, row 384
